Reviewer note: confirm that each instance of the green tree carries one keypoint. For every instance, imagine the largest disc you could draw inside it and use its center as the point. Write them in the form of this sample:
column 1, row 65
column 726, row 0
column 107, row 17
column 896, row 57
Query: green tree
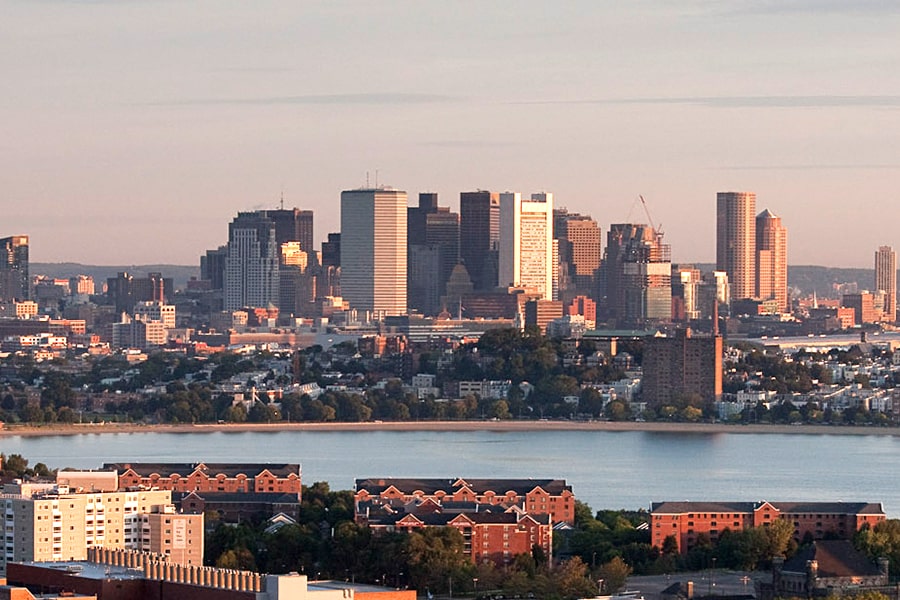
column 614, row 574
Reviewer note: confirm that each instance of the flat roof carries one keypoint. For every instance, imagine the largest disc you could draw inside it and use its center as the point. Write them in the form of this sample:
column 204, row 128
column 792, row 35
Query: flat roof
column 89, row 570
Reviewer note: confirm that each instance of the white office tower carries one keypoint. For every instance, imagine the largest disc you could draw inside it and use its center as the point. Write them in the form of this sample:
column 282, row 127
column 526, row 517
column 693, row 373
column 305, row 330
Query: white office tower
column 526, row 242
column 373, row 250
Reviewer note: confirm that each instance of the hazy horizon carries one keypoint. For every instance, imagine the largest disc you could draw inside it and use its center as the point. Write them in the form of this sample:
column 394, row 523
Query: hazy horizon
column 135, row 130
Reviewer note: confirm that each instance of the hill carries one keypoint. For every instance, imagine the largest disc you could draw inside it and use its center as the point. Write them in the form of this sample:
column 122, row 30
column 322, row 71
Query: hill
column 179, row 273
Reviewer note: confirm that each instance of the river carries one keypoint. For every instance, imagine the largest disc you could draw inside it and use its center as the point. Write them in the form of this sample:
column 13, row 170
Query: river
column 606, row 469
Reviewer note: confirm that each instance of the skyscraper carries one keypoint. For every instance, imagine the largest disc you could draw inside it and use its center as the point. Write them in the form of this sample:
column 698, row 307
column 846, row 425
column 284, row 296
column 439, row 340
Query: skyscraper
column 373, row 250
column 579, row 249
column 479, row 232
column 736, row 241
column 251, row 263
column 771, row 260
column 293, row 225
column 526, row 242
column 14, row 280
column 638, row 275
column 433, row 235
column 886, row 280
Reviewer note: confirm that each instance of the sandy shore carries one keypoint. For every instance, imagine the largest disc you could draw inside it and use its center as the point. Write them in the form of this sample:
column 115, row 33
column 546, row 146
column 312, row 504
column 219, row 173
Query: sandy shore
column 704, row 428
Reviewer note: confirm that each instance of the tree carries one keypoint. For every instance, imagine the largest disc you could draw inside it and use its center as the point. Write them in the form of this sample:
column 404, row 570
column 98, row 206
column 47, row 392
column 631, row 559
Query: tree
column 614, row 574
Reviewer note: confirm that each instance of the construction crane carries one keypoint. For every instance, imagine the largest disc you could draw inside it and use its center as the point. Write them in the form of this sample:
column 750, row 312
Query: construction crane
column 657, row 230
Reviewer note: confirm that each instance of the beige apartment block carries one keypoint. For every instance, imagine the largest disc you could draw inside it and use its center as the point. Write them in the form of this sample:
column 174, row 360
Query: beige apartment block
column 43, row 523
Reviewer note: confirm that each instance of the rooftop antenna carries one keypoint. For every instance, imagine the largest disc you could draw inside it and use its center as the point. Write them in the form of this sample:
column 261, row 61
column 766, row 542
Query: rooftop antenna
column 376, row 178
column 367, row 180
column 282, row 197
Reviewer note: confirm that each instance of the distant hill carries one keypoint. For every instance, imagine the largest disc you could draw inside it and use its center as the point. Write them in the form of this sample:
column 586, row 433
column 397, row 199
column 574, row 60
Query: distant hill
column 179, row 273
column 813, row 278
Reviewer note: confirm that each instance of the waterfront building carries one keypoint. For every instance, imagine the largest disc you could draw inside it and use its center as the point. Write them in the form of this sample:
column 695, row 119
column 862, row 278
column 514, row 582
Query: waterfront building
column 479, row 229
column 210, row 477
column 534, row 496
column 251, row 275
column 736, row 241
column 686, row 521
column 886, row 280
column 681, row 366
column 526, row 243
column 374, row 250
column 771, row 260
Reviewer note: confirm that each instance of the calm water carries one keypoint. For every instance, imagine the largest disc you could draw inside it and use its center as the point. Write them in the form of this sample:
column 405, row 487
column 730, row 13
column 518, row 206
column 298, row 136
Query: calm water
column 606, row 469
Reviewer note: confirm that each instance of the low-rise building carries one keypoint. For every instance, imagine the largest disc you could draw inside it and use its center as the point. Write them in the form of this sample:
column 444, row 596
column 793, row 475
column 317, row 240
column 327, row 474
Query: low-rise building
column 534, row 496
column 687, row 521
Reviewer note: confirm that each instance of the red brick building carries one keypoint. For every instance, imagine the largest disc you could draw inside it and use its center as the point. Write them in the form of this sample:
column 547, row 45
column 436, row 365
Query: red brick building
column 489, row 537
column 816, row 520
column 210, row 477
column 534, row 496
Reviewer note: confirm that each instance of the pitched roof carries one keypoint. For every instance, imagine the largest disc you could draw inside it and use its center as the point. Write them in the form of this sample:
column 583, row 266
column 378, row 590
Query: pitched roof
column 836, row 558
column 709, row 507
column 239, row 497
column 842, row 508
column 376, row 485
column 211, row 469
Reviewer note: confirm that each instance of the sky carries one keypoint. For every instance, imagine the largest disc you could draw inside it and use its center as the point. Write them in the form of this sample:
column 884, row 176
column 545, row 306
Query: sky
column 133, row 131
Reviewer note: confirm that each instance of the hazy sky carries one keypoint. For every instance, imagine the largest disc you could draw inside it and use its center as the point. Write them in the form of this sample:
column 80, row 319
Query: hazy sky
column 133, row 131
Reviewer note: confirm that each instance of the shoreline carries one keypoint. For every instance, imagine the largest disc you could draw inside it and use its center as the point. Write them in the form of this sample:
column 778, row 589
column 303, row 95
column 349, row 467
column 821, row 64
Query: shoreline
column 497, row 426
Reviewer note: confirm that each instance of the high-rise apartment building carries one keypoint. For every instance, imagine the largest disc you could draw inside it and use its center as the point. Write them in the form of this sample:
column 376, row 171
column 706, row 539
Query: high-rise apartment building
column 252, row 261
column 52, row 523
column 681, row 367
column 14, row 280
column 736, row 241
column 638, row 270
column 886, row 280
column 479, row 233
column 526, row 242
column 374, row 250
column 771, row 260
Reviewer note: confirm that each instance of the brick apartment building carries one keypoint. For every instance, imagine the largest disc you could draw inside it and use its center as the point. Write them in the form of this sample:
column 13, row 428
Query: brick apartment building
column 210, row 477
column 534, row 496
column 489, row 537
column 812, row 520
column 682, row 365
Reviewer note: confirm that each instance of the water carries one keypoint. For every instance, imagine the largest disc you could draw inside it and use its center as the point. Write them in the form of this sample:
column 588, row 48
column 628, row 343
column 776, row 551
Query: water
column 606, row 469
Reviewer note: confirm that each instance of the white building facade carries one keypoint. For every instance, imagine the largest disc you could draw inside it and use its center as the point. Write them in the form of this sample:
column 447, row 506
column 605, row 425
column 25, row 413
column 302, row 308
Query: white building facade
column 526, row 242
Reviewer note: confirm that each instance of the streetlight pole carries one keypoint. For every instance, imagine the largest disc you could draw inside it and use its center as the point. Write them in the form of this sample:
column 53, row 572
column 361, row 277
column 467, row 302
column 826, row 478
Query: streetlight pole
column 475, row 586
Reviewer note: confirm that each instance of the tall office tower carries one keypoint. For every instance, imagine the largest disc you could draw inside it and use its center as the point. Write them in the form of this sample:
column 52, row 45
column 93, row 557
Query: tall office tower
column 293, row 225
column 771, row 260
column 736, row 241
column 124, row 290
column 373, row 250
column 416, row 217
column 328, row 282
column 580, row 234
column 479, row 232
column 686, row 280
column 212, row 267
column 251, row 265
column 526, row 242
column 638, row 270
column 433, row 237
column 886, row 280
column 14, row 281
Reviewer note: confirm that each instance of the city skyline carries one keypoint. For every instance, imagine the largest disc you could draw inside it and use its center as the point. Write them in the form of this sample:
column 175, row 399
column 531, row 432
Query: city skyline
column 141, row 123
